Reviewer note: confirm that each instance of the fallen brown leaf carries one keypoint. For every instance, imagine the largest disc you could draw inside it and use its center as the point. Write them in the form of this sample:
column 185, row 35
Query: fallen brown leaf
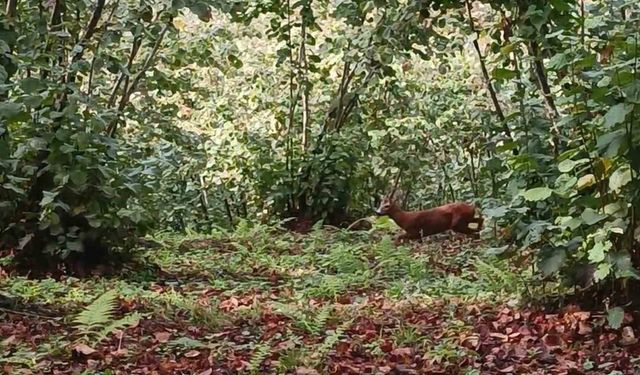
column 306, row 371
column 628, row 337
column 506, row 369
column 192, row 354
column 84, row 349
column 584, row 328
column 120, row 352
column 162, row 336
column 402, row 352
column 229, row 304
column 9, row 340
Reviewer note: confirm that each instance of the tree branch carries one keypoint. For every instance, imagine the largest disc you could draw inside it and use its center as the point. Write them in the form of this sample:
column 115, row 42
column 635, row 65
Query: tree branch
column 135, row 48
column 541, row 76
column 89, row 30
column 131, row 89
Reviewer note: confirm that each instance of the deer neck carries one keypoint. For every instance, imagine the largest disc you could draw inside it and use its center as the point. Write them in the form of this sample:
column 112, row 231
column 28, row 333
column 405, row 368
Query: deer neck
column 398, row 215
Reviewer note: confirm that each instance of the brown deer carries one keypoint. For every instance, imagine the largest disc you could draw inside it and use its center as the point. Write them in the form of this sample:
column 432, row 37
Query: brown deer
column 417, row 224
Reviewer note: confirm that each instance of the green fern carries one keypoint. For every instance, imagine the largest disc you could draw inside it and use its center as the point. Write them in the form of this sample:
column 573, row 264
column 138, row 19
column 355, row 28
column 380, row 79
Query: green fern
column 321, row 318
column 498, row 279
column 260, row 353
column 124, row 322
column 312, row 321
column 96, row 321
column 98, row 313
column 330, row 341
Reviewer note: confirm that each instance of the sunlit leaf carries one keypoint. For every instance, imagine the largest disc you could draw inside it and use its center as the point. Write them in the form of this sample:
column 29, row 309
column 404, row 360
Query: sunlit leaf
column 597, row 252
column 619, row 178
column 590, row 216
column 537, row 194
column 617, row 114
column 615, row 317
column 586, row 181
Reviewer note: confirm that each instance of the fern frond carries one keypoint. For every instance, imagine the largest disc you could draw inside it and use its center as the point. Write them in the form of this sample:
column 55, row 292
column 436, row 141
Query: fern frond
column 124, row 322
column 321, row 318
column 330, row 341
column 99, row 312
column 260, row 353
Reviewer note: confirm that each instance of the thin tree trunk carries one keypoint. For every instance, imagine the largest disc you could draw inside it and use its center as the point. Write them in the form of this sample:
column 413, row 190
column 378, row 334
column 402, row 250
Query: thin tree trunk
column 485, row 74
column 293, row 99
column 10, row 10
column 227, row 208
column 306, row 112
column 543, row 83
column 541, row 76
column 472, row 173
column 204, row 199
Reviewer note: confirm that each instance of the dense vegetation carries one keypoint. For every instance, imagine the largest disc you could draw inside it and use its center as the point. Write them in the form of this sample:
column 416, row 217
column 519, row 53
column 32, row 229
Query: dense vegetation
column 120, row 119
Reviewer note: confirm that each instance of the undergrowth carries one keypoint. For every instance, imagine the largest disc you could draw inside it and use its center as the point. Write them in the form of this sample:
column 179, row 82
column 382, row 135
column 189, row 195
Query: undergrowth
column 289, row 300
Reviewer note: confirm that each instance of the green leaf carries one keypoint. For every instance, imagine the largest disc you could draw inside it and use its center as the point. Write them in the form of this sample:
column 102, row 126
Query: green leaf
column 561, row 5
column 550, row 264
column 31, row 85
column 9, row 110
column 4, row 149
column 501, row 73
column 611, row 142
column 615, row 317
column 566, row 165
column 590, row 216
column 48, row 197
column 235, row 61
column 13, row 187
column 32, row 101
column 617, row 114
column 564, row 183
column 78, row 177
column 572, row 223
column 201, row 10
column 538, row 20
column 597, row 252
column 537, row 194
column 620, row 178
column 496, row 212
column 604, row 269
column 187, row 343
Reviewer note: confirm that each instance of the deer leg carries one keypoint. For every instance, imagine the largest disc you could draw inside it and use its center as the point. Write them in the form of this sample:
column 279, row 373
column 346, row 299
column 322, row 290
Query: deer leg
column 479, row 221
column 464, row 229
column 400, row 239
column 405, row 237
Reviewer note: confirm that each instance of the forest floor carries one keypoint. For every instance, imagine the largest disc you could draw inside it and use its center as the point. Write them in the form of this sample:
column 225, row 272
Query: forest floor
column 337, row 302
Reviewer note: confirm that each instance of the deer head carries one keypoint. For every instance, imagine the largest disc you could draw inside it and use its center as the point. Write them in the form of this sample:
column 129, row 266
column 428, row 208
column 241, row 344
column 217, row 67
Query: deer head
column 386, row 205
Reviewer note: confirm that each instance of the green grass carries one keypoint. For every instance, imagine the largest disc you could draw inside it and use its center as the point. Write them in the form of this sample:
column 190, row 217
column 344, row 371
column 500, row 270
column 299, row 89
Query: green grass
column 282, row 300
